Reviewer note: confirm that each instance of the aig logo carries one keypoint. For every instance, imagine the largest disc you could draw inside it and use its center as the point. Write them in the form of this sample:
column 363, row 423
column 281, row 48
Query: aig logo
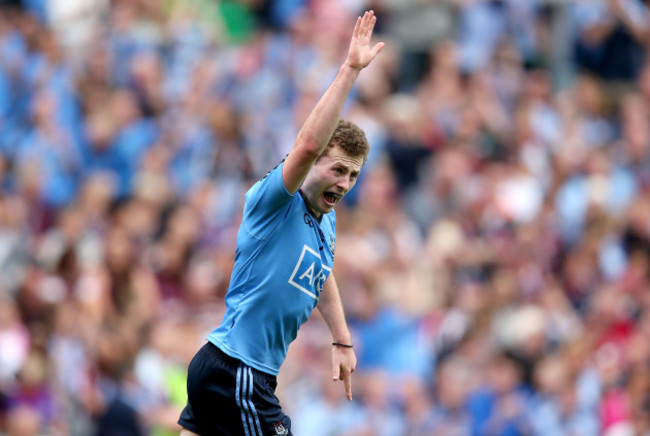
column 309, row 274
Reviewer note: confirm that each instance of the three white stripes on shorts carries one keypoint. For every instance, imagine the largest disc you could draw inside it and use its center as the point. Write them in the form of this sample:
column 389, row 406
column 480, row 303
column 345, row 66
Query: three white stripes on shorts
column 244, row 398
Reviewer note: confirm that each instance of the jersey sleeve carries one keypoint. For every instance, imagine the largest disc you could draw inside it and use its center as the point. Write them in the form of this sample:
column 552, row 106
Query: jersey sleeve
column 265, row 204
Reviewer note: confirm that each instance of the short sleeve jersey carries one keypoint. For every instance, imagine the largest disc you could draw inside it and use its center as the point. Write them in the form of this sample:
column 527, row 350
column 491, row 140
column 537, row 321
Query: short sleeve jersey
column 283, row 257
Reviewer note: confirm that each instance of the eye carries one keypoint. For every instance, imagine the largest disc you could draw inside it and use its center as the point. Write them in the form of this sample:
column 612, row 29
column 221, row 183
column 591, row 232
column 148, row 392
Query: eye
column 338, row 170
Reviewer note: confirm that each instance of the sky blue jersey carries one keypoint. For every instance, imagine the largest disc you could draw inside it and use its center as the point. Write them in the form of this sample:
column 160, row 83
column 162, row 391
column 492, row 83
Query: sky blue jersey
column 282, row 260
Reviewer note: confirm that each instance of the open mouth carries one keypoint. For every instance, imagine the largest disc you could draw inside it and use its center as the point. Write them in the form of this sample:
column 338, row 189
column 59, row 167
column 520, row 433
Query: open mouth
column 331, row 198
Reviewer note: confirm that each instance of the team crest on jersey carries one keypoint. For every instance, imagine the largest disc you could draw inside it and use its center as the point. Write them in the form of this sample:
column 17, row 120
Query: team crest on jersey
column 332, row 244
column 309, row 274
column 280, row 430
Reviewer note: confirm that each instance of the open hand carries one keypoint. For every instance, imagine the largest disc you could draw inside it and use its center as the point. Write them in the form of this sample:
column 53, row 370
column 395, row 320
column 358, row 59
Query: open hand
column 360, row 54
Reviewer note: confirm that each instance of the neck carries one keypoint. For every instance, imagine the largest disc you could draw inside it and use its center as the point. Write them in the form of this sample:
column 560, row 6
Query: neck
column 310, row 209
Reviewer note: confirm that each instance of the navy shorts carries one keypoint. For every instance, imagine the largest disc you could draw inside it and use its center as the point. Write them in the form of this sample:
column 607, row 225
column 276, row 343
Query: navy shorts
column 229, row 398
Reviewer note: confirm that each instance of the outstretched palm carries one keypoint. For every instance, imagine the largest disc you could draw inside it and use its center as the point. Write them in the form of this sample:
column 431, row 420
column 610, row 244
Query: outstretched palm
column 360, row 53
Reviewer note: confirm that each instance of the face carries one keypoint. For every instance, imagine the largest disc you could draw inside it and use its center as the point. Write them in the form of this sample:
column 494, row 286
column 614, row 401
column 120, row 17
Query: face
column 330, row 179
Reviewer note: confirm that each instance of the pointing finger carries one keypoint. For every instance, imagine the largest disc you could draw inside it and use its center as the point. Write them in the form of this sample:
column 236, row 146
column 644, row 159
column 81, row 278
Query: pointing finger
column 347, row 379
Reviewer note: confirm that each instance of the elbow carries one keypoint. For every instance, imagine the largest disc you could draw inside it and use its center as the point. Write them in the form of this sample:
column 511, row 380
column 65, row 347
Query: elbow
column 309, row 148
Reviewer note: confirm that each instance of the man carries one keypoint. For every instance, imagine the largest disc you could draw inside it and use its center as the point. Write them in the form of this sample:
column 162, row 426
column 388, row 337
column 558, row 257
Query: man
column 283, row 264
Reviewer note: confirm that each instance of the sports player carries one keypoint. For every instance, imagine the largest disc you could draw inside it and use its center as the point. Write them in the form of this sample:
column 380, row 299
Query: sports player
column 283, row 265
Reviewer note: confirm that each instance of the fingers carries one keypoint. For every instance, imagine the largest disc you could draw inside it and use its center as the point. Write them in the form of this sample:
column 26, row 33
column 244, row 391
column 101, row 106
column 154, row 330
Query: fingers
column 360, row 53
column 357, row 28
column 368, row 24
column 347, row 380
column 344, row 374
column 377, row 48
column 365, row 25
column 336, row 373
column 336, row 367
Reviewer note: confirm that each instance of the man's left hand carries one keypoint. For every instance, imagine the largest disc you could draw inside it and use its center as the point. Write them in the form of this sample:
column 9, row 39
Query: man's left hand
column 344, row 361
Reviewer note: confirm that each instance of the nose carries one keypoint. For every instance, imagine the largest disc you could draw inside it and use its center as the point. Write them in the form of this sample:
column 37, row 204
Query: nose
column 344, row 184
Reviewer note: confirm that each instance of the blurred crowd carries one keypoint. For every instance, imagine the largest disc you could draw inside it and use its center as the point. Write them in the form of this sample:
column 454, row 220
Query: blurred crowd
column 493, row 259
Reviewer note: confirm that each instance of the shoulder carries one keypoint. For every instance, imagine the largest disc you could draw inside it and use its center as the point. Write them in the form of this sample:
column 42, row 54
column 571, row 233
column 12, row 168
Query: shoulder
column 270, row 184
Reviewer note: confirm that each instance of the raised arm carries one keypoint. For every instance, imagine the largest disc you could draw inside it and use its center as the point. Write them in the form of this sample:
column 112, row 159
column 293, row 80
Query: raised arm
column 344, row 359
column 323, row 119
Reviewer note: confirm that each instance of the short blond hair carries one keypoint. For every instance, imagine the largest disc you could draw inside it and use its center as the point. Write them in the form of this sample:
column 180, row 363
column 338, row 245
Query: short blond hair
column 350, row 138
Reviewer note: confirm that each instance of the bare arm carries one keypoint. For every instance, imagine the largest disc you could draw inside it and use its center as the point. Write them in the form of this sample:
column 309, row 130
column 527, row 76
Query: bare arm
column 323, row 119
column 344, row 359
